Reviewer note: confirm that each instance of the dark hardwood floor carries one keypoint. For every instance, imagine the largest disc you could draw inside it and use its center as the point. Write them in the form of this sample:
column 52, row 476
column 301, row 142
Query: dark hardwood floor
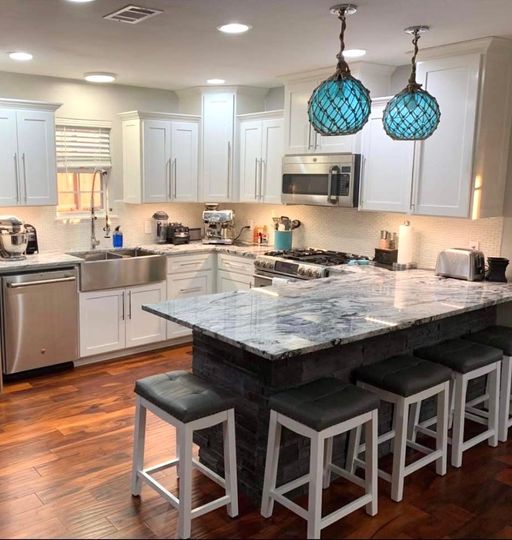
column 65, row 450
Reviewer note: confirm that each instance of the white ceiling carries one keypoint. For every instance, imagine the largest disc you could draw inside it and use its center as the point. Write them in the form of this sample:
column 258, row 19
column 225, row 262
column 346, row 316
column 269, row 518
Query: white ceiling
column 182, row 47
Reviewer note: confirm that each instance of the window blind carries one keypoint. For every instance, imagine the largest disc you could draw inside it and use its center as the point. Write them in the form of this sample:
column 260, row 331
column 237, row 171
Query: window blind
column 82, row 146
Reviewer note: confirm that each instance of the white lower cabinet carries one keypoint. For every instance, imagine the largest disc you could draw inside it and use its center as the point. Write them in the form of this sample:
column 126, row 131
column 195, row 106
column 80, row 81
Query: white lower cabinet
column 232, row 281
column 187, row 286
column 113, row 320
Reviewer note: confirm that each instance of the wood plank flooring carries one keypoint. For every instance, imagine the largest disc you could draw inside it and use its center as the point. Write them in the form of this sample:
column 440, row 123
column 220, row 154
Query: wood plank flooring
column 65, row 450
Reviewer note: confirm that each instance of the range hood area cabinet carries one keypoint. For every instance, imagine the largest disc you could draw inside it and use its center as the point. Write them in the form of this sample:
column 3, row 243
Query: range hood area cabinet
column 261, row 157
column 160, row 157
column 300, row 137
column 460, row 171
column 28, row 153
column 219, row 156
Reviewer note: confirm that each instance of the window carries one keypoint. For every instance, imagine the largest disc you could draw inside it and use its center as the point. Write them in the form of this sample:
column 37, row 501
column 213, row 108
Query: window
column 83, row 146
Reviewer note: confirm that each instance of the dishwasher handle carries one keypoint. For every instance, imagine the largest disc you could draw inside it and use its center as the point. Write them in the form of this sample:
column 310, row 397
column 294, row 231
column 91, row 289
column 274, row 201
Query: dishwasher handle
column 40, row 282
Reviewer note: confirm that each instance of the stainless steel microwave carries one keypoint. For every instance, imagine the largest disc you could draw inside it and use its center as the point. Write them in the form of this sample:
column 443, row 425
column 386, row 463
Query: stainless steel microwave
column 321, row 179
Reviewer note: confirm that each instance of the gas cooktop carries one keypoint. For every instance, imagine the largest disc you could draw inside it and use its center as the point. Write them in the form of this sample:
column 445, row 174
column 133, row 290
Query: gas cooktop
column 317, row 256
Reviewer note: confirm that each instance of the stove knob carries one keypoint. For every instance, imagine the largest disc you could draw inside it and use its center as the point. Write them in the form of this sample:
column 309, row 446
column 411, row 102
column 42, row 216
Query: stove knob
column 301, row 271
column 258, row 264
column 311, row 273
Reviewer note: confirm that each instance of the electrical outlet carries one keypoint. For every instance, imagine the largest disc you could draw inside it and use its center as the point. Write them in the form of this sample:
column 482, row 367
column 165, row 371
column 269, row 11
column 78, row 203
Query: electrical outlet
column 474, row 244
column 147, row 226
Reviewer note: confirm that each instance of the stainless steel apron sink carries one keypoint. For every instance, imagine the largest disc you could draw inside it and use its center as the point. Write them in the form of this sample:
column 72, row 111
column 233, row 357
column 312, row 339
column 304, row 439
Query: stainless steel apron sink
column 112, row 269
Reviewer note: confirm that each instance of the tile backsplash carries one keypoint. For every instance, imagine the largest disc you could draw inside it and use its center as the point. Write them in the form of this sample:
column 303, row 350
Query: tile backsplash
column 327, row 228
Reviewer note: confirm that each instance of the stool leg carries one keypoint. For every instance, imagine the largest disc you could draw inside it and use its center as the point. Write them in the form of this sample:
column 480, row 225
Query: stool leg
column 459, row 393
column 185, row 483
column 505, row 391
column 354, row 442
column 494, row 384
column 138, row 446
column 178, row 452
column 414, row 419
column 230, row 463
column 371, row 469
column 442, row 428
column 327, row 462
column 399, row 449
column 271, row 463
column 316, row 464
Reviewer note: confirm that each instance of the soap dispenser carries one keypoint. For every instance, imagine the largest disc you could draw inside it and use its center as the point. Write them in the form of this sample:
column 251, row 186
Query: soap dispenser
column 117, row 237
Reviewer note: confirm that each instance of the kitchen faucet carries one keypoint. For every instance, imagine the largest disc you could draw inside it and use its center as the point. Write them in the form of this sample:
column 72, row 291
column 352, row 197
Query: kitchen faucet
column 94, row 241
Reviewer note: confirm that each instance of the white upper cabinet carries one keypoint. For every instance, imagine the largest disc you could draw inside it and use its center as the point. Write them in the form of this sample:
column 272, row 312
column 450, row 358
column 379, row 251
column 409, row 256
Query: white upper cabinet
column 27, row 153
column 160, row 157
column 218, row 151
column 444, row 161
column 299, row 135
column 387, row 165
column 261, row 156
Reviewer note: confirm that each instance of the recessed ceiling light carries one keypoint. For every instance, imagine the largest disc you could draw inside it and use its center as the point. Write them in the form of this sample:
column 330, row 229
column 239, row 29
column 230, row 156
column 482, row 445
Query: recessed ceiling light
column 100, row 77
column 353, row 53
column 234, row 28
column 215, row 81
column 20, row 56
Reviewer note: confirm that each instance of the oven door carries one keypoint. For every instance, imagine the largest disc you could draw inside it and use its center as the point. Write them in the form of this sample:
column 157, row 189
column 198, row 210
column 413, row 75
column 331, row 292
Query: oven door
column 321, row 180
column 262, row 281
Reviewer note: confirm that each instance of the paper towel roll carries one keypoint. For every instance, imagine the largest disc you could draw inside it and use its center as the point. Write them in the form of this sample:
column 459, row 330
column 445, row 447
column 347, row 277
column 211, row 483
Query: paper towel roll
column 405, row 244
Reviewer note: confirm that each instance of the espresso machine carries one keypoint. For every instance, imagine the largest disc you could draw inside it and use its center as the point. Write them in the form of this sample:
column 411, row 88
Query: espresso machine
column 14, row 238
column 219, row 225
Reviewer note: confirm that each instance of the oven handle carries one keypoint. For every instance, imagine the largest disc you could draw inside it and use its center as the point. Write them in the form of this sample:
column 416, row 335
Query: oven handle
column 333, row 172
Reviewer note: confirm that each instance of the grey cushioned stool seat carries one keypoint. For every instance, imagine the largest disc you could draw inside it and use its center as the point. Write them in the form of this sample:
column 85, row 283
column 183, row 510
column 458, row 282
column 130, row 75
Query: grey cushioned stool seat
column 460, row 355
column 404, row 375
column 324, row 403
column 183, row 395
column 499, row 337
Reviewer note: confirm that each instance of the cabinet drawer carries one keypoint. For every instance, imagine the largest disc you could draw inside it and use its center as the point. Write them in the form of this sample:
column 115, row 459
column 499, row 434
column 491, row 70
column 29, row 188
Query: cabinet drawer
column 232, row 281
column 232, row 263
column 189, row 263
column 189, row 285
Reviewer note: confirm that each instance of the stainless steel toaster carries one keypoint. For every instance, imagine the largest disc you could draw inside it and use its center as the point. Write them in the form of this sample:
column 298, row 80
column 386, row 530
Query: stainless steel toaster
column 468, row 264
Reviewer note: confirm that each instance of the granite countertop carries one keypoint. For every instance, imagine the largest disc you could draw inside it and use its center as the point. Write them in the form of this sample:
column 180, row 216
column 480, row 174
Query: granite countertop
column 243, row 250
column 357, row 303
column 49, row 259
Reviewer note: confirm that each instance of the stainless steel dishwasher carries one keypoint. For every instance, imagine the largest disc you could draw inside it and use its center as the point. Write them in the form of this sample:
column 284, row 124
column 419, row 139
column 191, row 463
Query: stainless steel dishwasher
column 39, row 319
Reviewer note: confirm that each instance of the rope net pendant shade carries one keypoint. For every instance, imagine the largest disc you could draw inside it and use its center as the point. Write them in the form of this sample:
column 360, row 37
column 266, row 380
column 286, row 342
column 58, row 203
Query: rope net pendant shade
column 341, row 104
column 413, row 114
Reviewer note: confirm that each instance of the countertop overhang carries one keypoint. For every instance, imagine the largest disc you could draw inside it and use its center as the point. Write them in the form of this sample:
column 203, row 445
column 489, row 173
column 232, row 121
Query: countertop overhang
column 357, row 303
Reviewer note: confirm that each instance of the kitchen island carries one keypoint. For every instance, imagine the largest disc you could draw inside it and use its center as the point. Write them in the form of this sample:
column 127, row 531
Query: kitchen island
column 259, row 342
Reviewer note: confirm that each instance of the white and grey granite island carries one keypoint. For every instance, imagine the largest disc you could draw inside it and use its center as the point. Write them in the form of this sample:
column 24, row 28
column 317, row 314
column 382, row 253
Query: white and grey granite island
column 259, row 342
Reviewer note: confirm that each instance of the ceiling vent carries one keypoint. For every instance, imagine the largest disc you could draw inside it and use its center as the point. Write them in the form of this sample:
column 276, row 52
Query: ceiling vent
column 132, row 14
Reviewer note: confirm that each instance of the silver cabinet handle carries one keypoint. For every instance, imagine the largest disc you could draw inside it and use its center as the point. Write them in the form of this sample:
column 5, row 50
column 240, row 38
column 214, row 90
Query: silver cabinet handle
column 191, row 289
column 309, row 136
column 24, row 175
column 262, row 164
column 124, row 302
column 130, row 305
column 256, row 179
column 17, row 178
column 39, row 282
column 175, row 178
column 229, row 169
column 168, row 169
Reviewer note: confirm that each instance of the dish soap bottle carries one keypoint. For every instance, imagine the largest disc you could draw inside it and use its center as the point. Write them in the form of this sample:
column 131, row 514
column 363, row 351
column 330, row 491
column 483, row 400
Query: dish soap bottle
column 117, row 237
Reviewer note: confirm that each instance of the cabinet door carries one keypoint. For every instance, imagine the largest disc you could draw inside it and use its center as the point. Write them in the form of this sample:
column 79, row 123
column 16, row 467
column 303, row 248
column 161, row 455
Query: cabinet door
column 102, row 322
column 143, row 327
column 156, row 152
column 299, row 137
column 387, row 168
column 218, row 125
column 444, row 162
column 185, row 146
column 250, row 160
column 37, row 157
column 186, row 286
column 9, row 185
column 272, row 161
column 231, row 281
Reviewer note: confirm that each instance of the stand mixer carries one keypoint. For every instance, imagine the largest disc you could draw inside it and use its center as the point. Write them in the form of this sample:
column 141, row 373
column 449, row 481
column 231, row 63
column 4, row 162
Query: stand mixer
column 219, row 225
column 13, row 238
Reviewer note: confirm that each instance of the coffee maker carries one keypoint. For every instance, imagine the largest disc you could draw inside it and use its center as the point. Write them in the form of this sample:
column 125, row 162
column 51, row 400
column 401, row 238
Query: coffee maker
column 219, row 225
column 160, row 224
column 13, row 238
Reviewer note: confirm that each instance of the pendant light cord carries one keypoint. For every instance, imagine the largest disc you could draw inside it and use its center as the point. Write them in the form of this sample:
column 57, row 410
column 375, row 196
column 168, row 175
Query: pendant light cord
column 413, row 84
column 342, row 68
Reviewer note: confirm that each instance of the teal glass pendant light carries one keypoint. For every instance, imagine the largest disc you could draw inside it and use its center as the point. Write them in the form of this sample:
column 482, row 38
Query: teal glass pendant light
column 341, row 104
column 413, row 114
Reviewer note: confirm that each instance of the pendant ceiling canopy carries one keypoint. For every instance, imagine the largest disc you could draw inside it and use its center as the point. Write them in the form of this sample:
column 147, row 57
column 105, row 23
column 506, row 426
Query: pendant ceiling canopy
column 413, row 114
column 341, row 104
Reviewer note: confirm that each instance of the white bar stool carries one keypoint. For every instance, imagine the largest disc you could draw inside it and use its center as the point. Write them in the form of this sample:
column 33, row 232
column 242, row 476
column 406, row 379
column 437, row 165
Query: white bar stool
column 187, row 403
column 320, row 411
column 405, row 381
column 467, row 360
column 499, row 337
